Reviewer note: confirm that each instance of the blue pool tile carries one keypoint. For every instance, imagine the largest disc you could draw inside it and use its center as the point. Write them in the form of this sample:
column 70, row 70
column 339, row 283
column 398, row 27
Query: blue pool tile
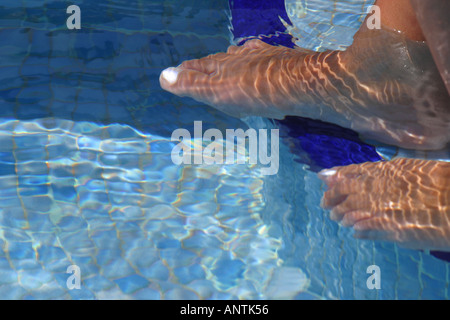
column 16, row 37
column 8, row 95
column 157, row 271
column 62, row 42
column 61, row 277
column 118, row 113
column 306, row 296
column 65, row 64
column 12, row 292
column 62, row 109
column 186, row 275
column 106, row 256
column 168, row 243
column 89, row 95
column 52, row 292
column 82, row 294
column 64, row 92
column 9, row 77
column 38, row 221
column 32, row 72
column 25, row 264
column 228, row 272
column 131, row 283
column 77, row 242
column 147, row 294
column 106, row 239
column 118, row 268
column 85, row 262
column 34, row 278
column 129, row 24
column 64, row 193
column 39, row 109
column 48, row 254
column 433, row 289
column 10, row 202
column 432, row 268
column 98, row 283
column 176, row 257
column 7, row 275
column 104, row 44
column 180, row 294
column 31, row 95
column 40, row 43
column 99, row 64
column 134, row 42
column 6, row 169
column 142, row 256
column 72, row 223
column 41, row 202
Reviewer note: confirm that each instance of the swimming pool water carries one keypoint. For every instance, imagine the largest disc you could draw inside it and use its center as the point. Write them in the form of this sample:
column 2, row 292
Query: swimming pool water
column 86, row 177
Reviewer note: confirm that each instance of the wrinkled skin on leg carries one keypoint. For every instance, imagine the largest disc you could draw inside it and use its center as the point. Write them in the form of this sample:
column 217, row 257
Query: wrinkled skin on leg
column 384, row 86
column 406, row 201
column 247, row 80
column 432, row 16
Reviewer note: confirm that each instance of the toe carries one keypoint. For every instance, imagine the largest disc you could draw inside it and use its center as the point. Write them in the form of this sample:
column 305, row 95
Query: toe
column 351, row 203
column 351, row 218
column 338, row 192
column 206, row 65
column 369, row 229
column 221, row 56
column 332, row 198
column 256, row 44
column 328, row 175
column 369, row 226
column 186, row 82
column 235, row 49
column 337, row 174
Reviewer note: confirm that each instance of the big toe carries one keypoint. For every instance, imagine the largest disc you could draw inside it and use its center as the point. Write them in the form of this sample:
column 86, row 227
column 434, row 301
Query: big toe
column 169, row 77
column 185, row 82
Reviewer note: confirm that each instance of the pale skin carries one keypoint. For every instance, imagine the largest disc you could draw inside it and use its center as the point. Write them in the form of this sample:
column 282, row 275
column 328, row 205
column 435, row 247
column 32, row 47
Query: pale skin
column 385, row 86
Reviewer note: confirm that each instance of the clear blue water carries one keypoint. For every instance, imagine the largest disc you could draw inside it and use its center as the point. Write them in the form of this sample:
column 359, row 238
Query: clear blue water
column 86, row 177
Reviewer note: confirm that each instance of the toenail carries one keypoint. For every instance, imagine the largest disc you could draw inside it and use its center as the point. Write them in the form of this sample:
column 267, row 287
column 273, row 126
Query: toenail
column 327, row 173
column 170, row 75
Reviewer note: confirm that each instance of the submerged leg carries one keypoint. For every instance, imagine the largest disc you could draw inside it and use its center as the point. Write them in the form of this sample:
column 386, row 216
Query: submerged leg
column 405, row 200
column 385, row 86
column 435, row 23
